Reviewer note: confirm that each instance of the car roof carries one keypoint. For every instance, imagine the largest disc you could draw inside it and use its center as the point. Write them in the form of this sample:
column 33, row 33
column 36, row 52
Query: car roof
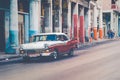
column 49, row 34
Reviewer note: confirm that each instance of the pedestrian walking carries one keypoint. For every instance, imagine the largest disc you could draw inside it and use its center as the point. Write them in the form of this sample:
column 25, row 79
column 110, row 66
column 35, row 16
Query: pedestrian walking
column 92, row 33
column 112, row 34
column 109, row 34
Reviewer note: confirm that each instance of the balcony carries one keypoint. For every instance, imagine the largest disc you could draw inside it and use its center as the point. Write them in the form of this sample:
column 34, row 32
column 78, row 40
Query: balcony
column 114, row 7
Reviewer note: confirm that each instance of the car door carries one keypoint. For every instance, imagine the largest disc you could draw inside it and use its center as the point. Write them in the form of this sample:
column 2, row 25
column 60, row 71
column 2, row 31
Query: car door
column 65, row 41
column 61, row 44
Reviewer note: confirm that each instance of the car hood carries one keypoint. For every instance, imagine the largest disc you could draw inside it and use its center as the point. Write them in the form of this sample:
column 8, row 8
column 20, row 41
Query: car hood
column 39, row 45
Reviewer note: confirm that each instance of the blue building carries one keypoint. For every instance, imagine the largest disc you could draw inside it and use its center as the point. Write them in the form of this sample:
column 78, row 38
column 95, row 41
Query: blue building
column 17, row 21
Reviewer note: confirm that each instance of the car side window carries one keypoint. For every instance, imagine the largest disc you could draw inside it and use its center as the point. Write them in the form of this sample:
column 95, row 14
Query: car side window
column 65, row 38
column 60, row 38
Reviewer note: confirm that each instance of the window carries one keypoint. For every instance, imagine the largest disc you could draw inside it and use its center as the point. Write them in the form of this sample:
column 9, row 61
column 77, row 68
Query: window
column 113, row 1
column 44, row 38
column 62, row 38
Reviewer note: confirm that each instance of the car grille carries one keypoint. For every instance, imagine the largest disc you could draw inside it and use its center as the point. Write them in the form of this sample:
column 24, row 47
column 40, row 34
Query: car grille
column 34, row 51
column 30, row 51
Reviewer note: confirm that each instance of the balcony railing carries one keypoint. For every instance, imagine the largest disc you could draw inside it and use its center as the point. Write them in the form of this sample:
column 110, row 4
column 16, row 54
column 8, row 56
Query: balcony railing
column 114, row 6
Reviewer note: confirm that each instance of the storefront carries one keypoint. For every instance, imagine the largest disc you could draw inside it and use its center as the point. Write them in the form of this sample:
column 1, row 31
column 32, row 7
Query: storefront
column 46, row 16
column 14, row 23
column 4, row 9
column 2, row 31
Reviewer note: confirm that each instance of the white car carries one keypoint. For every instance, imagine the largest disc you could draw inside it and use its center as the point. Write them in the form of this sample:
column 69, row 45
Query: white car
column 48, row 44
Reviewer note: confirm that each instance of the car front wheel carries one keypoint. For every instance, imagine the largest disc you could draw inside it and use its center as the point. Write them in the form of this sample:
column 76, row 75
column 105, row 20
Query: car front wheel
column 55, row 55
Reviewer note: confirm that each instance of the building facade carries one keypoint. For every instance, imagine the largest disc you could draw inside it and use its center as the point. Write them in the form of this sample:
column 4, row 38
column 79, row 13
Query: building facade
column 95, row 19
column 111, row 13
column 20, row 19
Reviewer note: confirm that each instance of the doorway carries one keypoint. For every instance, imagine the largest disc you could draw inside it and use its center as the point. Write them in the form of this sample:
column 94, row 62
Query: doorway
column 21, row 33
column 21, row 28
column 2, row 31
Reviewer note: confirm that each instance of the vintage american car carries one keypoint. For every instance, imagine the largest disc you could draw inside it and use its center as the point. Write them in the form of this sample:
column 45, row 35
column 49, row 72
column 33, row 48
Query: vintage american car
column 48, row 44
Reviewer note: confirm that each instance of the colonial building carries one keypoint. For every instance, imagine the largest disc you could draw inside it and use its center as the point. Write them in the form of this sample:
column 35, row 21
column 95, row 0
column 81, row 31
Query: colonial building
column 20, row 19
column 15, row 23
column 95, row 19
column 111, row 13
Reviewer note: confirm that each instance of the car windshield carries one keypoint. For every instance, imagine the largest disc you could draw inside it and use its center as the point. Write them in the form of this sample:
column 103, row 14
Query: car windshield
column 44, row 38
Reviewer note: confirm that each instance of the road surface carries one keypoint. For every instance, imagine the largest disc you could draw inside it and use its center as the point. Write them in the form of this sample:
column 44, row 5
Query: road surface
column 100, row 62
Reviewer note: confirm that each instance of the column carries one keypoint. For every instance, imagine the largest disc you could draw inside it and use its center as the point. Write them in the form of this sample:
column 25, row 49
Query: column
column 111, row 20
column 89, row 23
column 82, row 31
column 7, row 28
column 50, row 17
column 60, row 16
column 119, row 27
column 13, row 26
column 39, row 14
column 95, row 23
column 69, row 20
column 34, row 17
column 75, row 21
column 100, row 25
column 86, row 24
column 26, row 28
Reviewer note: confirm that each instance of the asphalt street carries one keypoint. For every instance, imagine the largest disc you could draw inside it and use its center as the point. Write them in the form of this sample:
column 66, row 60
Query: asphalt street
column 100, row 62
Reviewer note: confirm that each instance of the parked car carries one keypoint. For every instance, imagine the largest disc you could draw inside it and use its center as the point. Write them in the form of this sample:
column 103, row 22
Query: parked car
column 48, row 44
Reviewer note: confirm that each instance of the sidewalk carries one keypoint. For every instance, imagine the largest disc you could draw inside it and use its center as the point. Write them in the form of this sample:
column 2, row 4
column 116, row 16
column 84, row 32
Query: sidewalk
column 5, row 57
column 95, row 42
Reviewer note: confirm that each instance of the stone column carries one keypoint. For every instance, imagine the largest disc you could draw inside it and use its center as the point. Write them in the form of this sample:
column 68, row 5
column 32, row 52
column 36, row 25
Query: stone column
column 89, row 23
column 51, row 16
column 100, row 25
column 69, row 20
column 86, row 23
column 111, row 20
column 34, row 17
column 26, row 32
column 60, row 16
column 82, row 26
column 95, row 23
column 75, row 21
column 13, row 26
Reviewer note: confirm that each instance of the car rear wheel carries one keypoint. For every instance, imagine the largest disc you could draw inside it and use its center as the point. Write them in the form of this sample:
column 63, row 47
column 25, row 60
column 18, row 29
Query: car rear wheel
column 71, row 52
column 26, row 58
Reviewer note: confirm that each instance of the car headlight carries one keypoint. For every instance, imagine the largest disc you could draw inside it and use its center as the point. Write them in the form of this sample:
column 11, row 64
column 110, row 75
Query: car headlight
column 21, row 50
column 46, row 51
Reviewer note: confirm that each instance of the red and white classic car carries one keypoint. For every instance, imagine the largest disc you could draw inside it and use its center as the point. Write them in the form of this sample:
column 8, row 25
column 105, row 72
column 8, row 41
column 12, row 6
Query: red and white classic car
column 48, row 44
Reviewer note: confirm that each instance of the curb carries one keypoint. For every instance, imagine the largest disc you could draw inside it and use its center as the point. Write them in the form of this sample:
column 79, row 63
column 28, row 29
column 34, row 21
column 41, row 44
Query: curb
column 89, row 44
column 10, row 57
column 80, row 46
